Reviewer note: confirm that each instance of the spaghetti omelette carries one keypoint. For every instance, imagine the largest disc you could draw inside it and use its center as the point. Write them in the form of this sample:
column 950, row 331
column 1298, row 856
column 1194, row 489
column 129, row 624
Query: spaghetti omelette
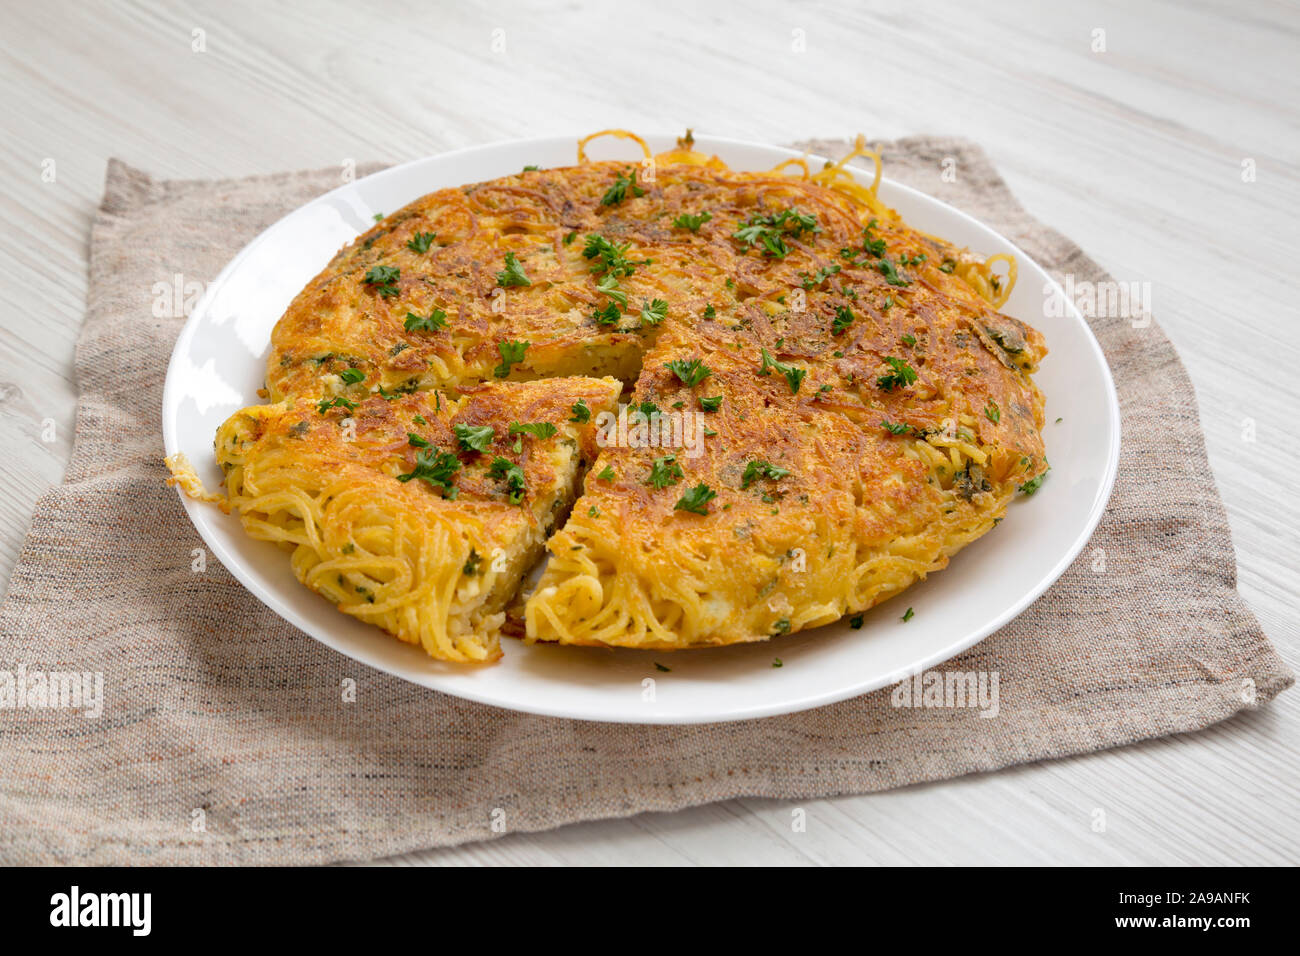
column 443, row 389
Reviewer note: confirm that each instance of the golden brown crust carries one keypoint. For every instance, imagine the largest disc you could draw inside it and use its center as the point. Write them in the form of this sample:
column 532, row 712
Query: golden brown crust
column 858, row 361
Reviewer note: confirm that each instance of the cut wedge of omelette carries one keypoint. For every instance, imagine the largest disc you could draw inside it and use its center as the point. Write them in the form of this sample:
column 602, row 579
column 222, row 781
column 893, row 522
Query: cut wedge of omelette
column 821, row 406
column 422, row 514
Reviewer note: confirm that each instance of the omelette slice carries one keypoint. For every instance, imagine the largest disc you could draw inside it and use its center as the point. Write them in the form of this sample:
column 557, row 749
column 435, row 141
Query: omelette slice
column 420, row 514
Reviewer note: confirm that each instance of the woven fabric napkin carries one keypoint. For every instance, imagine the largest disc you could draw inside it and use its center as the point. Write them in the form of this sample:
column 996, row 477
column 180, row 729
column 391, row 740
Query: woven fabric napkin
column 223, row 737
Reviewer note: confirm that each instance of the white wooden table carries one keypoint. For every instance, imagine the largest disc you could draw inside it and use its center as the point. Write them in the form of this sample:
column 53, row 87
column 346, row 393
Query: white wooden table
column 1136, row 151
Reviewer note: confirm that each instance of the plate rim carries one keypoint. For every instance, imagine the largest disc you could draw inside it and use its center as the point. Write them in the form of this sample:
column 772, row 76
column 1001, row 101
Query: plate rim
column 198, row 514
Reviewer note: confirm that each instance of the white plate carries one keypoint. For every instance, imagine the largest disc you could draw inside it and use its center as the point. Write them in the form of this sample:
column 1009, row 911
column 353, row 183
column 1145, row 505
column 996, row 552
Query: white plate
column 218, row 366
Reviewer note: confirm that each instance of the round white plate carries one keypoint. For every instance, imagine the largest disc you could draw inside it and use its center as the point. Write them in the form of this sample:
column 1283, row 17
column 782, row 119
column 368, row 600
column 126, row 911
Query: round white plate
column 218, row 366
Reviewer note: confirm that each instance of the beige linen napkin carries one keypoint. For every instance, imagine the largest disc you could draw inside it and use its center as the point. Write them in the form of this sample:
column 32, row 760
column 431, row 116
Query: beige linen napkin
column 223, row 737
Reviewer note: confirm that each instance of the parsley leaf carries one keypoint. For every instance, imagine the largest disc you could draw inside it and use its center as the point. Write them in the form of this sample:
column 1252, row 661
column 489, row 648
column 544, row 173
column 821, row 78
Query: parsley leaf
column 902, row 375
column 895, row 428
column 1033, row 484
column 421, row 241
column 384, row 279
column 436, row 467
column 512, row 474
column 843, row 319
column 810, row 282
column 696, row 500
column 692, row 222
column 664, row 472
column 618, row 192
column 536, row 429
column 581, row 412
column 992, row 412
column 609, row 286
column 793, row 374
column 437, row 319
column 513, row 274
column 512, row 353
column 608, row 315
column 607, row 474
column 768, row 231
column 757, row 469
column 325, row 404
column 415, row 441
column 711, row 404
column 690, row 373
column 891, row 274
column 611, row 258
column 474, row 437
column 350, row 376
column 653, row 312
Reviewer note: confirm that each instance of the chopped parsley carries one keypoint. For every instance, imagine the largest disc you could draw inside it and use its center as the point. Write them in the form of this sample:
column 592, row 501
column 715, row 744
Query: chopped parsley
column 855, row 621
column 435, row 320
column 436, row 467
column 908, row 615
column 325, row 404
column 696, row 500
column 513, row 476
column 821, row 275
column 891, row 274
column 690, row 373
column 908, row 340
column 758, row 469
column 536, row 429
column 581, row 412
column 767, row 232
column 608, row 315
column 415, row 441
column 948, row 265
column 607, row 474
column 512, row 353
column 609, row 286
column 610, row 258
column 384, row 279
column 421, row 241
column 513, row 274
column 471, row 564
column 664, row 472
column 901, row 376
column 692, row 222
column 896, row 428
column 711, row 404
column 793, row 374
column 992, row 413
column 1032, row 485
column 653, row 312
column 781, row 627
column 618, row 192
column 843, row 319
column 474, row 437
column 710, row 311
column 350, row 376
